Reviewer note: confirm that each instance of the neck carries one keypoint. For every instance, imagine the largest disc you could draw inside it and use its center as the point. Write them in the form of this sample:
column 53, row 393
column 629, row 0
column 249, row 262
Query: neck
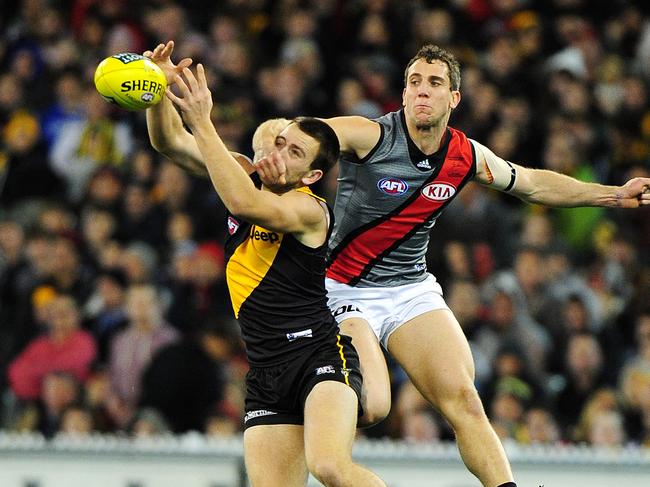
column 427, row 139
column 279, row 189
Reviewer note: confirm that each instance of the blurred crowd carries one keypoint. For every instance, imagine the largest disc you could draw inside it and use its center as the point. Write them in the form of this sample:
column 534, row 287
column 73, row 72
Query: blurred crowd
column 114, row 314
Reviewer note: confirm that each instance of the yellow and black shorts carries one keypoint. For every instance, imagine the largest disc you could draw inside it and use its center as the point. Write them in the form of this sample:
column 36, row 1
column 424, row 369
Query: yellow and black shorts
column 277, row 394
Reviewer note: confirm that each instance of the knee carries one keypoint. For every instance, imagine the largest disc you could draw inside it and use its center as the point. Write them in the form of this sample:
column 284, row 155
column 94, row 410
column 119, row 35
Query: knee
column 330, row 472
column 462, row 405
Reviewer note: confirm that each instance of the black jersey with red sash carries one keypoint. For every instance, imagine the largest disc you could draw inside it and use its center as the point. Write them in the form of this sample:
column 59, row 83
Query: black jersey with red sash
column 277, row 289
column 388, row 202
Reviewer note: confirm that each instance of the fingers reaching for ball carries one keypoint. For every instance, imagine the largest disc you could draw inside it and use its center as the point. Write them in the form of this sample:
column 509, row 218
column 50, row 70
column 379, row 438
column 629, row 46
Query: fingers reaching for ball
column 194, row 99
column 161, row 55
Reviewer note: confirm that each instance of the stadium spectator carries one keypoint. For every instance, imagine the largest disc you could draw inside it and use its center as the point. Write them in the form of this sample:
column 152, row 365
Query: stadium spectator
column 539, row 427
column 64, row 348
column 185, row 380
column 81, row 146
column 132, row 349
column 584, row 376
column 105, row 310
column 635, row 381
column 24, row 154
column 76, row 422
column 201, row 299
column 60, row 392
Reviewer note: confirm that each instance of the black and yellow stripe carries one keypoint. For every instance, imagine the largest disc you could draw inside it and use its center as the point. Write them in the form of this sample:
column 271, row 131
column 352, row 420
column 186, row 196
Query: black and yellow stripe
column 343, row 359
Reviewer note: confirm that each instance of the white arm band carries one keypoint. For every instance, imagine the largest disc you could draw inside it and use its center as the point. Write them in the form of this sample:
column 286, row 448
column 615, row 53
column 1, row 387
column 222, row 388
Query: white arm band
column 492, row 170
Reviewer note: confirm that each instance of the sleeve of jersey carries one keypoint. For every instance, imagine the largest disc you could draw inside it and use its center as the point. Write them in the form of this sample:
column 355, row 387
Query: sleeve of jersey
column 498, row 173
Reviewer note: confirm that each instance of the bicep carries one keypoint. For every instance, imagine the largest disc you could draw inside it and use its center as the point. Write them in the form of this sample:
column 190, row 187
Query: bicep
column 357, row 134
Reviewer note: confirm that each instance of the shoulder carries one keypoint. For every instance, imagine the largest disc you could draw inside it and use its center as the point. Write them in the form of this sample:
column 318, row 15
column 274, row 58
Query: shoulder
column 315, row 218
column 310, row 205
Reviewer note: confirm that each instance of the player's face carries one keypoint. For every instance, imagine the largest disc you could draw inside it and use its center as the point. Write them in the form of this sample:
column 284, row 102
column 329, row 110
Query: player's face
column 298, row 150
column 427, row 97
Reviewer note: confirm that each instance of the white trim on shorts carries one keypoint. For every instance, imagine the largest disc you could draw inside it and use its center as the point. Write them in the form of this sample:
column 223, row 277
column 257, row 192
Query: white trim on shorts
column 384, row 308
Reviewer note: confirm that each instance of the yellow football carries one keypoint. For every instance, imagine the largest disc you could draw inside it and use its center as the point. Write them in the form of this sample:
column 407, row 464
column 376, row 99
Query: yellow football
column 130, row 81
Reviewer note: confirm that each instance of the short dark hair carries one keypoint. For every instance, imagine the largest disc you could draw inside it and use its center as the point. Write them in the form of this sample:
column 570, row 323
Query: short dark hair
column 328, row 143
column 430, row 53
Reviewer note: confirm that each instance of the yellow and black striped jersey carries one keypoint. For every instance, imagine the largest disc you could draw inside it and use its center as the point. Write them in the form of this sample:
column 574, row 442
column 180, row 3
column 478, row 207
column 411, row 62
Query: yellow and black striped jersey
column 277, row 289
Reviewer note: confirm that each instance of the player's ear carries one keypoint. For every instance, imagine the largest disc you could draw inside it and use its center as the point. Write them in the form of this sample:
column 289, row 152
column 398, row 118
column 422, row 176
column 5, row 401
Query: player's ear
column 455, row 99
column 404, row 97
column 312, row 176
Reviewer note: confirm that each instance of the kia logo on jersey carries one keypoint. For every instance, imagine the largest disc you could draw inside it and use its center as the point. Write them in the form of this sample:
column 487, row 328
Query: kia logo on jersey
column 393, row 186
column 438, row 191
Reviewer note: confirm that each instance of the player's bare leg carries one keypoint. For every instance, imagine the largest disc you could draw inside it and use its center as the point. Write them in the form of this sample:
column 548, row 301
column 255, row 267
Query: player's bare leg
column 330, row 426
column 376, row 382
column 286, row 466
column 435, row 354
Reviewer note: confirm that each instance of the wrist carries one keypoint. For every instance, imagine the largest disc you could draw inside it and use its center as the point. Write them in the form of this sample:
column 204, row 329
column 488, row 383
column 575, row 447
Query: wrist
column 613, row 196
column 201, row 126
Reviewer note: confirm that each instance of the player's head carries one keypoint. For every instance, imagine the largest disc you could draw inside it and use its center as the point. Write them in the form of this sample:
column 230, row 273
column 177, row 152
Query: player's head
column 431, row 86
column 309, row 148
column 431, row 53
column 328, row 142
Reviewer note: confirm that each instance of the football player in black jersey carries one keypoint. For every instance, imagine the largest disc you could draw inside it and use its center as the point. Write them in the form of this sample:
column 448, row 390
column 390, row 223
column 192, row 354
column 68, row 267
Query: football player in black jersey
column 302, row 399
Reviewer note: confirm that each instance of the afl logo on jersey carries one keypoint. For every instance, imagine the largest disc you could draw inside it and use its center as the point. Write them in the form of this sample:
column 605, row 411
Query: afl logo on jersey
column 438, row 191
column 233, row 225
column 393, row 186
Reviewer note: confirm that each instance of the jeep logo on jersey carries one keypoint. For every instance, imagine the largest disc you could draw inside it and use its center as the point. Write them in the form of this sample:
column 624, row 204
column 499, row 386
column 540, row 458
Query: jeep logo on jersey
column 393, row 186
column 438, row 191
column 264, row 236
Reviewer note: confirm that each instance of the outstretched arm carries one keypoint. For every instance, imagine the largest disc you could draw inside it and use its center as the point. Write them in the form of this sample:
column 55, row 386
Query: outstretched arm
column 291, row 212
column 165, row 126
column 554, row 189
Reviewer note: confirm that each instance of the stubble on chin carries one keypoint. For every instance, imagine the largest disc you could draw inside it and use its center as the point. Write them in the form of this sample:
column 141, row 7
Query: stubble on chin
column 425, row 125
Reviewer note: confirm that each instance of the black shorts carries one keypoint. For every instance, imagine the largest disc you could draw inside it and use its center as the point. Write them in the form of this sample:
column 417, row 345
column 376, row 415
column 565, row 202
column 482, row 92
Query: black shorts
column 277, row 394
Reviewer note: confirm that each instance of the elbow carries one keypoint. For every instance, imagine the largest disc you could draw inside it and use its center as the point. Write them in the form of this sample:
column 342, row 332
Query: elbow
column 163, row 144
column 160, row 146
column 531, row 196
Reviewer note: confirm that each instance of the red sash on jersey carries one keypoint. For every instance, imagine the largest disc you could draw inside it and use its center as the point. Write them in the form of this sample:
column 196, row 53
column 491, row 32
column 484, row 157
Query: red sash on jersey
column 361, row 250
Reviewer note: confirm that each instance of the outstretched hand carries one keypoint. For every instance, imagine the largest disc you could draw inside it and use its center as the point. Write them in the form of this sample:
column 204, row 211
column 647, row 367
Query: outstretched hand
column 272, row 170
column 196, row 100
column 634, row 193
column 161, row 55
